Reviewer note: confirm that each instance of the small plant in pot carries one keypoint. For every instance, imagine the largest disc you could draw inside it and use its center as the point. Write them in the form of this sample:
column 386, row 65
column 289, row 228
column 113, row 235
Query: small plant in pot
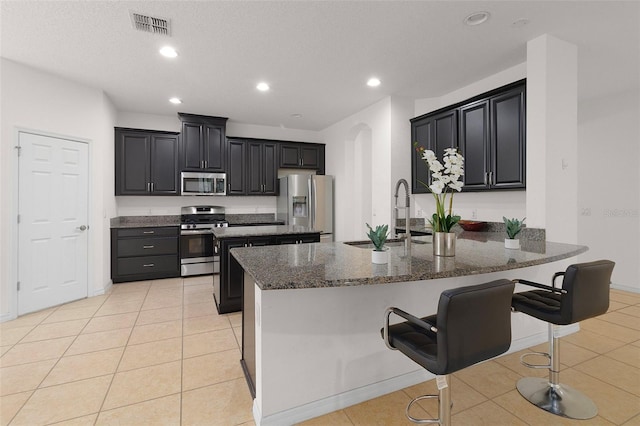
column 378, row 237
column 513, row 228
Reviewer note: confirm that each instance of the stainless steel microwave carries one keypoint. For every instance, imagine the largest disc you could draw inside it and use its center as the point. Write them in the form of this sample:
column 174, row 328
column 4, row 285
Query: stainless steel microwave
column 202, row 183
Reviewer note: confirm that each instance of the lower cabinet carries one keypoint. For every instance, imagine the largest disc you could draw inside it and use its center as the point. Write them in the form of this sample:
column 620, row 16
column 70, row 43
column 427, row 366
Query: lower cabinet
column 144, row 253
column 227, row 290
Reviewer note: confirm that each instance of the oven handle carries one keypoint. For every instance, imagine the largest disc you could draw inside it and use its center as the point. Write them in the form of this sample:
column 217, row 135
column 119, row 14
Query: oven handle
column 196, row 231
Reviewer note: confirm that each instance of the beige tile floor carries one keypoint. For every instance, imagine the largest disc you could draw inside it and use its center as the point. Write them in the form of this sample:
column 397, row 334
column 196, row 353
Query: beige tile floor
column 157, row 353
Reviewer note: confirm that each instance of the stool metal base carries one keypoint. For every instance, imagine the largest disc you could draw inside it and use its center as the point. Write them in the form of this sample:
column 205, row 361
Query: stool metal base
column 559, row 399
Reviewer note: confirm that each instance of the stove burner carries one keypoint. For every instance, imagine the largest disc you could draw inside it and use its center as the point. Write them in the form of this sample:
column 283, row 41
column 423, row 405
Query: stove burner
column 202, row 217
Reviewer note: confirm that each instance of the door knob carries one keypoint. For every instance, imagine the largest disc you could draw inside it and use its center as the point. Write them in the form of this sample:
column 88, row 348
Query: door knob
column 82, row 228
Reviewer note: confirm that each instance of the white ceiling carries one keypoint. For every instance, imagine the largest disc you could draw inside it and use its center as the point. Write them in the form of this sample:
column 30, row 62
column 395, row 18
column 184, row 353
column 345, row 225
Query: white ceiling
column 316, row 55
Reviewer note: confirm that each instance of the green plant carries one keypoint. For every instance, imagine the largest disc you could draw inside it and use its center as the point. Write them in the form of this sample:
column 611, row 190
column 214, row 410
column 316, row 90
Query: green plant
column 514, row 226
column 378, row 236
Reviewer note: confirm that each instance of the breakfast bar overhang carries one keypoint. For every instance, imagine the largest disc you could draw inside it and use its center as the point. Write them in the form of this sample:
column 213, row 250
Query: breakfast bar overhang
column 312, row 314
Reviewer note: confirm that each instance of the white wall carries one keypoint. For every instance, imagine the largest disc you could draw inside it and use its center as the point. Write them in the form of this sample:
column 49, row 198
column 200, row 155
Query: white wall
column 488, row 206
column 358, row 154
column 609, row 183
column 42, row 102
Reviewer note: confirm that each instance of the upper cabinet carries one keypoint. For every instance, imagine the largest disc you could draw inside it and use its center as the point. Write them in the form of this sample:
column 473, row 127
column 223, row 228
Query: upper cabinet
column 298, row 155
column 252, row 167
column 435, row 132
column 146, row 162
column 262, row 168
column 489, row 131
column 203, row 143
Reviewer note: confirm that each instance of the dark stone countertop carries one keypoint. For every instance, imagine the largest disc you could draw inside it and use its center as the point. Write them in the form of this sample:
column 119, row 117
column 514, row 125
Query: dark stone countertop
column 258, row 231
column 345, row 264
column 144, row 221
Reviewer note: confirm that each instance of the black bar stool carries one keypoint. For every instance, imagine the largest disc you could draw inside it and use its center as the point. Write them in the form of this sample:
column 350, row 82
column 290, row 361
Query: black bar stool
column 584, row 294
column 473, row 324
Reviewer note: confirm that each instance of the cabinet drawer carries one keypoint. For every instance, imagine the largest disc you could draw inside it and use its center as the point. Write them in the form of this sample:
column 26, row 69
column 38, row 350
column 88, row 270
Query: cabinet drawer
column 147, row 246
column 149, row 265
column 148, row 232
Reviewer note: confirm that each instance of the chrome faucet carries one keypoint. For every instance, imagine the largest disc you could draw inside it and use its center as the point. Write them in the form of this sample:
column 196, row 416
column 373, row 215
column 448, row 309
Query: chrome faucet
column 407, row 234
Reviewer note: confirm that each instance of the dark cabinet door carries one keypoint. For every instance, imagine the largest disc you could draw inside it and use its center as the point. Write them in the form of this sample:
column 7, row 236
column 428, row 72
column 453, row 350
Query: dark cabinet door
column 146, row 162
column 302, row 156
column 164, row 165
column 255, row 166
column 191, row 146
column 214, row 148
column 262, row 172
column 132, row 163
column 236, row 167
column 270, row 171
column 489, row 130
column 289, row 155
column 435, row 132
column 474, row 144
column 203, row 143
column 508, row 140
column 232, row 275
column 309, row 157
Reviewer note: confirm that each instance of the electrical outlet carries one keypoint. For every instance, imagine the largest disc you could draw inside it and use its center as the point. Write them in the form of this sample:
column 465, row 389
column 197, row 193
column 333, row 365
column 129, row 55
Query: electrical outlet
column 474, row 214
column 585, row 211
column 419, row 212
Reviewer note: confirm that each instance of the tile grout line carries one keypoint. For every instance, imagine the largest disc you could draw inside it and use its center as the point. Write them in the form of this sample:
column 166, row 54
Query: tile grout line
column 113, row 377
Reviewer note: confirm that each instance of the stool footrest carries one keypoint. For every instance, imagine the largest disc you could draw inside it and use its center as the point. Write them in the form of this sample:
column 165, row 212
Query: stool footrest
column 416, row 420
column 527, row 364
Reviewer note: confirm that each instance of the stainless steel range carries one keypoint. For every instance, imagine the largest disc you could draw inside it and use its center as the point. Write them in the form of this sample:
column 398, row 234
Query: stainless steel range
column 198, row 253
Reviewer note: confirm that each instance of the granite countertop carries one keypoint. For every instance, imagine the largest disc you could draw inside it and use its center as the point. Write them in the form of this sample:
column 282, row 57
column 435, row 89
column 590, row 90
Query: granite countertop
column 348, row 264
column 144, row 221
column 257, row 231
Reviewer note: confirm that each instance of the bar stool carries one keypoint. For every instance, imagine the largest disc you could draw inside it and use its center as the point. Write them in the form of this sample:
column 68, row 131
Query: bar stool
column 472, row 324
column 584, row 294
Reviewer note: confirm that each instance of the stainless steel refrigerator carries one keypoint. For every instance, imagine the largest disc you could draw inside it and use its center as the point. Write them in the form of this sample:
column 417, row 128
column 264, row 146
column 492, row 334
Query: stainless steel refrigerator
column 307, row 200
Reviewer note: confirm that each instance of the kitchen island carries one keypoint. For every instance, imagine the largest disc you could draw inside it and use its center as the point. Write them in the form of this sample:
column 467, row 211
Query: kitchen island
column 313, row 312
column 227, row 288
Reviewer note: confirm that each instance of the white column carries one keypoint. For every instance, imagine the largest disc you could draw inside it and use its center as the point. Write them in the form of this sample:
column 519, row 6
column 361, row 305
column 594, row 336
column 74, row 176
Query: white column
column 552, row 137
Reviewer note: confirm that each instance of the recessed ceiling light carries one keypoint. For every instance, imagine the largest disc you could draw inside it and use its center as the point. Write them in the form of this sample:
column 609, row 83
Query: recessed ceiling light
column 168, row 52
column 263, row 87
column 373, row 82
column 296, row 115
column 477, row 18
column 176, row 101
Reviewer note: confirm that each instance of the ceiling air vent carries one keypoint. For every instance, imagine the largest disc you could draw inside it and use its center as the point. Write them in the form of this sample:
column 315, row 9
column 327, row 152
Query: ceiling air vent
column 150, row 24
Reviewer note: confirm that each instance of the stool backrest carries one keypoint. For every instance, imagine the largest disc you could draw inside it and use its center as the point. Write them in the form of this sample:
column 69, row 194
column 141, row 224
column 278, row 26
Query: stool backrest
column 587, row 286
column 474, row 324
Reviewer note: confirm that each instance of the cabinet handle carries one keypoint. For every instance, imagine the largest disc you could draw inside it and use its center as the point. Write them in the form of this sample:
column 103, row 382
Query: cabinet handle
column 148, row 232
column 490, row 178
column 301, row 161
column 148, row 187
column 152, row 186
column 147, row 247
column 206, row 164
column 486, row 178
column 149, row 265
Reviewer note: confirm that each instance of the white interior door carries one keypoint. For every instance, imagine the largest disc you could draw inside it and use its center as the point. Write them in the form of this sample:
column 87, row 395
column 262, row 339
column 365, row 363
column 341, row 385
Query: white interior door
column 53, row 221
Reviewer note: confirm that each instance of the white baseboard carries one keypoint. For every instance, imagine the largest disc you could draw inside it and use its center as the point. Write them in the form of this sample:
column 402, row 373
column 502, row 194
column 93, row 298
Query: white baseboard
column 625, row 288
column 365, row 393
column 7, row 317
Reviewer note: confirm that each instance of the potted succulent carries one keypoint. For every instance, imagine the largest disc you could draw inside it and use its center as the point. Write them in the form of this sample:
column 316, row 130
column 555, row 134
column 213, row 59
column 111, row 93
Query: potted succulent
column 378, row 237
column 513, row 228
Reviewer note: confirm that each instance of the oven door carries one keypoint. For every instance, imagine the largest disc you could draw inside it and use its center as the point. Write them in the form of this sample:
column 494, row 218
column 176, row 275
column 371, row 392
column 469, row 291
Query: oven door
column 197, row 254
